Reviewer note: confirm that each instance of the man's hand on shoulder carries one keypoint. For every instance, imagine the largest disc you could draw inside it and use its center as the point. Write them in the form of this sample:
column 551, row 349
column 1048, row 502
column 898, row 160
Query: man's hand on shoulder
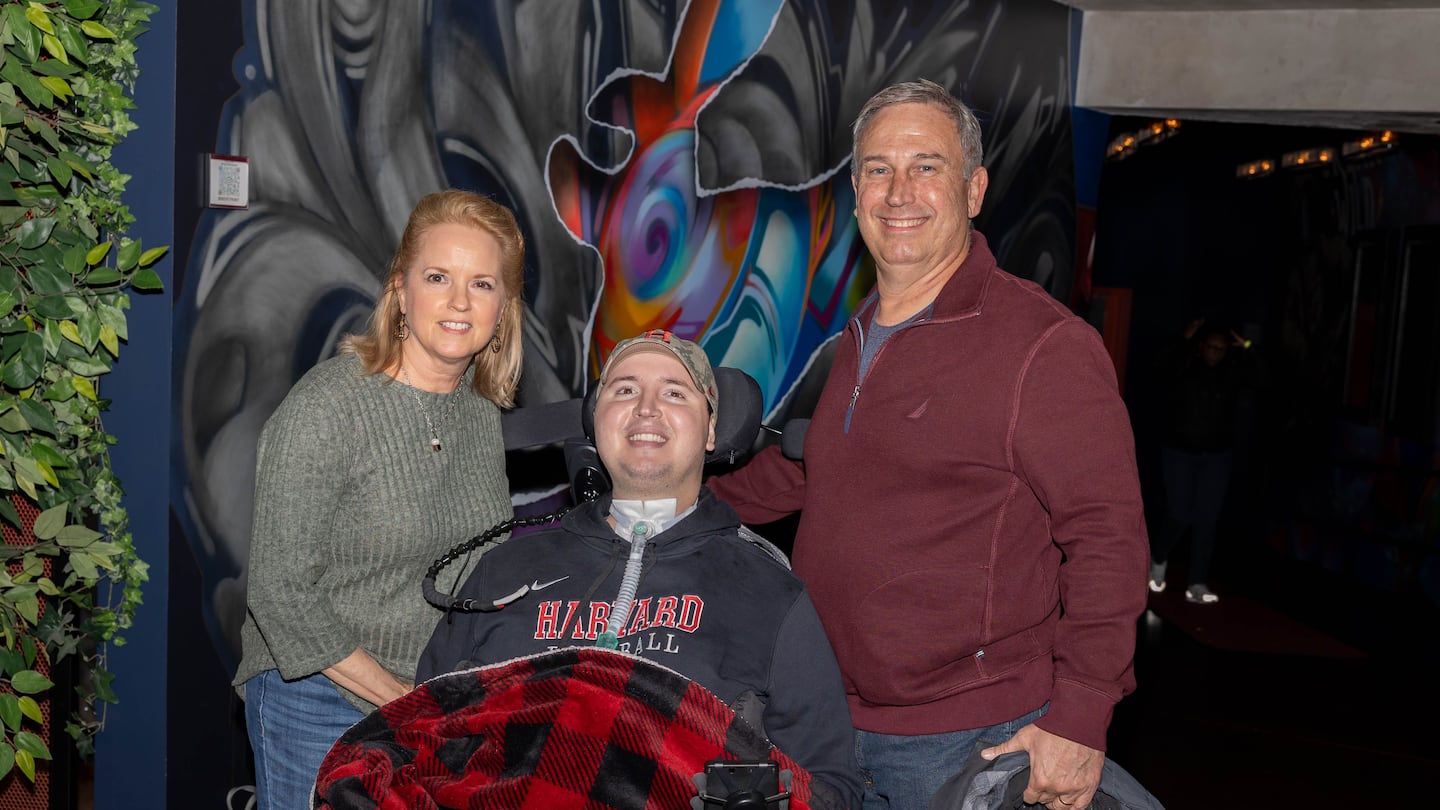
column 1064, row 774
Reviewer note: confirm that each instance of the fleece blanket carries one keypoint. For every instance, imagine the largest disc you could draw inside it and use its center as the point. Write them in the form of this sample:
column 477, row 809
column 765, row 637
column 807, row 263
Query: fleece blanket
column 579, row 727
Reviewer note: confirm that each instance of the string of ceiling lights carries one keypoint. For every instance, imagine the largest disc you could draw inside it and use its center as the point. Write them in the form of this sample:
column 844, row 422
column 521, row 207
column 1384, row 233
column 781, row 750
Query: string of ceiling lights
column 1316, row 156
column 1125, row 144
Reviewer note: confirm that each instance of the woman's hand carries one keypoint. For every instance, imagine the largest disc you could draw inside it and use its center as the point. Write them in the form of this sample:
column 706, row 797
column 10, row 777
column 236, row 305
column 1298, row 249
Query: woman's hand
column 364, row 676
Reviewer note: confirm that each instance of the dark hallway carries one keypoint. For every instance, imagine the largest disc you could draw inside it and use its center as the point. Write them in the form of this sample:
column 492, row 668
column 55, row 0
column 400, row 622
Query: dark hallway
column 1299, row 688
column 1308, row 684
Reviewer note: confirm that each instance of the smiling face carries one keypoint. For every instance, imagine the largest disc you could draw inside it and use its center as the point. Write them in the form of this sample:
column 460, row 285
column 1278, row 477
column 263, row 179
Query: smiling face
column 913, row 197
column 452, row 295
column 653, row 427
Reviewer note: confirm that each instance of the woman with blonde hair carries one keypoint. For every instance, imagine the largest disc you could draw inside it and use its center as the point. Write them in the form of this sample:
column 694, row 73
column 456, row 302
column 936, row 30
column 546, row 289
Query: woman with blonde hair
column 378, row 461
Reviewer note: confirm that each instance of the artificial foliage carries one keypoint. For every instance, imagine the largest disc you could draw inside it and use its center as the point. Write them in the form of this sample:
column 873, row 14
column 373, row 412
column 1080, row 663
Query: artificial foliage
column 67, row 72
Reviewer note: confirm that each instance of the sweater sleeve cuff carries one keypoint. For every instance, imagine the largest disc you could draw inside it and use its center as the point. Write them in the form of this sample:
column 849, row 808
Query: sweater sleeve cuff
column 311, row 661
column 1078, row 713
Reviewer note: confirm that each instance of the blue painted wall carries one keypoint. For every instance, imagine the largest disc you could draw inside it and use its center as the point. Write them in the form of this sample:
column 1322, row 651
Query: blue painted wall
column 130, row 761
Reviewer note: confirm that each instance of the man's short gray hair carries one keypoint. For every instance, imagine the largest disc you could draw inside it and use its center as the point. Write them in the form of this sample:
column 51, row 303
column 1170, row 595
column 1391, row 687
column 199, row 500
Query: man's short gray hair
column 922, row 91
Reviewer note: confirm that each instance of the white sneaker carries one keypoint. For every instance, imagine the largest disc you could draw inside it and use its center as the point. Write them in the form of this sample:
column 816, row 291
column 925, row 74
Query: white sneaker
column 1157, row 577
column 1200, row 595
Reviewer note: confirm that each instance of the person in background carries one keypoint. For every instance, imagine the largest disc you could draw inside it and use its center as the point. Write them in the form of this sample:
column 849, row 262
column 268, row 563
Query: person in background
column 662, row 569
column 378, row 461
column 971, row 524
column 1205, row 375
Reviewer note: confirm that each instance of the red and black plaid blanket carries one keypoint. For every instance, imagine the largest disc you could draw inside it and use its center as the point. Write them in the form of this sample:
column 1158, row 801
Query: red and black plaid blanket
column 574, row 728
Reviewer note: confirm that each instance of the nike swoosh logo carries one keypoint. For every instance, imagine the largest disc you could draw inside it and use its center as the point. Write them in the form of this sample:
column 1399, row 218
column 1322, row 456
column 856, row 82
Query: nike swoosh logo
column 537, row 585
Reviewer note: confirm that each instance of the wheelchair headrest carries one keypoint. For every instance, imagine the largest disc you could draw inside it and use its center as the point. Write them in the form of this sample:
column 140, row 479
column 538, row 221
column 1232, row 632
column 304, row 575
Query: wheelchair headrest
column 738, row 414
column 572, row 422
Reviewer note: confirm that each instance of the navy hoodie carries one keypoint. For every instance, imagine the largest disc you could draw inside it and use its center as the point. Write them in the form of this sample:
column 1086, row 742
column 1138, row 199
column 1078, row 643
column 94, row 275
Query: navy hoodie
column 711, row 605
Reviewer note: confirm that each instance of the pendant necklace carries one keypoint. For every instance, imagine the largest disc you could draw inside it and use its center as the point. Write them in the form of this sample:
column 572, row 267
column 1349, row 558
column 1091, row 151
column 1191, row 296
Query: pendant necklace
column 451, row 401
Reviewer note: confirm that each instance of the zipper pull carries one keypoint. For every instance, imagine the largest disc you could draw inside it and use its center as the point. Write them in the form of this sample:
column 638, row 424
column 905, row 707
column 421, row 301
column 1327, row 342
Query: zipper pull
column 850, row 411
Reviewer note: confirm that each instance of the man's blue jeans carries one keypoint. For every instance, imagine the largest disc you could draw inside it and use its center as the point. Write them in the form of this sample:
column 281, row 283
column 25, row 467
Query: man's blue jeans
column 292, row 725
column 902, row 772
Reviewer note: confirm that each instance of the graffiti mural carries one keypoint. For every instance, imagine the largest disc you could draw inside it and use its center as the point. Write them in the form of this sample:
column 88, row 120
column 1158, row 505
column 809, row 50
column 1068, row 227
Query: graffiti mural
column 673, row 164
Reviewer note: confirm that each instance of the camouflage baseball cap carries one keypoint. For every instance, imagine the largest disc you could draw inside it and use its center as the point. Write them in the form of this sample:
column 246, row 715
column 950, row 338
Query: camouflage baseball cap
column 690, row 355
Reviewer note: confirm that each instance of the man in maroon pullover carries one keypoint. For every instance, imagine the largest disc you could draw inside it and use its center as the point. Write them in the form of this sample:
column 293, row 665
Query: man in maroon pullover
column 972, row 530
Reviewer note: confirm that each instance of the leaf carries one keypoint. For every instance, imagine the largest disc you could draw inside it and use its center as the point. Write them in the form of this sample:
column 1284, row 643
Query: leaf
column 12, row 422
column 109, row 340
column 60, row 170
column 88, row 366
column 35, row 232
column 31, row 567
column 38, row 416
column 98, row 253
column 41, row 451
column 74, row 43
column 26, row 35
column 79, row 166
column 103, row 679
column 128, row 256
column 31, row 709
column 50, row 330
column 52, row 307
column 10, row 662
column 32, row 742
column 30, row 682
column 103, row 275
column 96, row 31
column 153, row 255
column 103, row 551
column 7, row 760
column 7, row 302
column 24, row 367
column 7, row 510
column 82, row 9
column 10, row 711
column 54, row 67
column 147, row 279
column 77, row 536
column 39, row 17
column 71, row 332
column 26, row 483
column 34, row 92
column 51, row 521
column 57, row 86
column 84, row 567
column 84, row 387
column 74, row 259
column 88, row 325
column 62, row 390
column 26, row 603
column 46, row 279
column 47, row 473
column 54, row 48
column 25, row 761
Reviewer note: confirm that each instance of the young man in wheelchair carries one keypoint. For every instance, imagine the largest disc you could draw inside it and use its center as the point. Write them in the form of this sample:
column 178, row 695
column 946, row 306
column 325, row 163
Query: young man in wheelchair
column 662, row 569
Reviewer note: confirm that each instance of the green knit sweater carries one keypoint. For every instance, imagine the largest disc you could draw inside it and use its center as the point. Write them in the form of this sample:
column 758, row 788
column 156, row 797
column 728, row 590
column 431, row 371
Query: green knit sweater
column 351, row 507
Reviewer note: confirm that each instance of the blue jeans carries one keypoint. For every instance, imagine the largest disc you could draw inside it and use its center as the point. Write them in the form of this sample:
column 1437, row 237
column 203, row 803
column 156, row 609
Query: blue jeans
column 902, row 772
column 1195, row 485
column 292, row 725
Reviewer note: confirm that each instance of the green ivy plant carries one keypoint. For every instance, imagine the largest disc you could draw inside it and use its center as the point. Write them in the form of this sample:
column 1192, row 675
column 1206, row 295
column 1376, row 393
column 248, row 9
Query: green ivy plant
column 67, row 72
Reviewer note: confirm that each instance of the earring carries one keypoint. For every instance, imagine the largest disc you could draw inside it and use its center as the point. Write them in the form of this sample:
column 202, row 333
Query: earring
column 402, row 329
column 495, row 343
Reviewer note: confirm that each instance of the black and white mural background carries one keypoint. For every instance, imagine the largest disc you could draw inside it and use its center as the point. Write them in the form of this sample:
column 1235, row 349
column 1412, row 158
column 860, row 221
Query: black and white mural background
column 673, row 164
